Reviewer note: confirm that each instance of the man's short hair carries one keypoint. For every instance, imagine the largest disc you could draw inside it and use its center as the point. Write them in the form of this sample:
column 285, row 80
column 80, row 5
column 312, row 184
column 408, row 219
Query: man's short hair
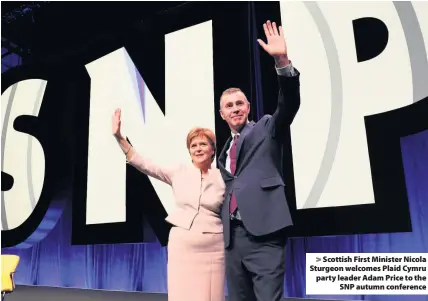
column 231, row 91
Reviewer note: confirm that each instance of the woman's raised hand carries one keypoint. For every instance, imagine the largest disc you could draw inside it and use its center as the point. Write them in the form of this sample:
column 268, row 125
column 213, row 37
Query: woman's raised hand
column 115, row 124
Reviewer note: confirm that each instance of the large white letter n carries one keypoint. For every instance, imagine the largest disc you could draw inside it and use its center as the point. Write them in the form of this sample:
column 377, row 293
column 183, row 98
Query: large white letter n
column 116, row 83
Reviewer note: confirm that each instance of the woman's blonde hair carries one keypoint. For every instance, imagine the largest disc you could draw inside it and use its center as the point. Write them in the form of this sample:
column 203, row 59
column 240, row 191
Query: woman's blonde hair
column 199, row 132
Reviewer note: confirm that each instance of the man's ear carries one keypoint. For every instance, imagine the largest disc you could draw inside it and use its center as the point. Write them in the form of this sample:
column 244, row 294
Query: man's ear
column 221, row 114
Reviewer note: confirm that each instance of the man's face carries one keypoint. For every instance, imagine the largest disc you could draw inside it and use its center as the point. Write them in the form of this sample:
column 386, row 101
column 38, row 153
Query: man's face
column 234, row 109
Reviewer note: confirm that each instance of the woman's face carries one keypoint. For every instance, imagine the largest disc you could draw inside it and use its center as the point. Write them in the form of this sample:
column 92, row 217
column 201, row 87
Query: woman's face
column 201, row 151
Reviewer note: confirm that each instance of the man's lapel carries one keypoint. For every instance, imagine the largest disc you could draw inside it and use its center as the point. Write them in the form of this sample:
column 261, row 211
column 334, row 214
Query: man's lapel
column 222, row 157
column 244, row 132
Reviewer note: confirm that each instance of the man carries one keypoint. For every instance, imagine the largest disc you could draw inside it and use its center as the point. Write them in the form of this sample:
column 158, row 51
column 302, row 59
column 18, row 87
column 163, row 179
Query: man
column 255, row 212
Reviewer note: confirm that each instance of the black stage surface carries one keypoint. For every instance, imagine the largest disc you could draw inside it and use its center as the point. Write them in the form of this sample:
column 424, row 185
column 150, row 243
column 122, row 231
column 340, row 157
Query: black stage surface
column 41, row 293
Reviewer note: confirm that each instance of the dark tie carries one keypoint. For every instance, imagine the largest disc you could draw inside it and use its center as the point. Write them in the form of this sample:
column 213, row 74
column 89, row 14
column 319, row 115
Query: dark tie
column 232, row 156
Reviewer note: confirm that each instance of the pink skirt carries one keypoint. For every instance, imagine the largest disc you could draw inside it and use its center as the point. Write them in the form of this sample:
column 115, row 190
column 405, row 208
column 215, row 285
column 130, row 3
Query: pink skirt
column 196, row 267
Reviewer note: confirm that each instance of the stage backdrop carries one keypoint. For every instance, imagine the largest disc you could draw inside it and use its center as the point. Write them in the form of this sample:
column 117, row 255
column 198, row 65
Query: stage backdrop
column 80, row 217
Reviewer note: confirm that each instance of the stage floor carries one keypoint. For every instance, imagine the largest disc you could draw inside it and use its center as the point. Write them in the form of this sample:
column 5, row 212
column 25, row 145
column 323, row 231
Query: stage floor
column 41, row 293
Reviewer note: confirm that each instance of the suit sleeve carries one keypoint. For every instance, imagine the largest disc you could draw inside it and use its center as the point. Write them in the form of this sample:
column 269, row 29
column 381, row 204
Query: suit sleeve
column 155, row 170
column 288, row 103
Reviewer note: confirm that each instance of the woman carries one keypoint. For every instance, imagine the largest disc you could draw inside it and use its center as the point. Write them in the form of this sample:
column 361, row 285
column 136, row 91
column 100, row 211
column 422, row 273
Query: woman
column 196, row 269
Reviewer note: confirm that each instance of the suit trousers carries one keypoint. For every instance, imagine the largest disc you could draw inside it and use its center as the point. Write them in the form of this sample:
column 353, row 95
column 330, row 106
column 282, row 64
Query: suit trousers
column 255, row 265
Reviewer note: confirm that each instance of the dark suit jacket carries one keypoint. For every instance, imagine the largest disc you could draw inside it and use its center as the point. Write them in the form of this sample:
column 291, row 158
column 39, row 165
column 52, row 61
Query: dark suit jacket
column 257, row 183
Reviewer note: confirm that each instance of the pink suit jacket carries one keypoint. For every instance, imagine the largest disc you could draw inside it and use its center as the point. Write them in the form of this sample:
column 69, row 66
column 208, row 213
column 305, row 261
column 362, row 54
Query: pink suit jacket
column 198, row 202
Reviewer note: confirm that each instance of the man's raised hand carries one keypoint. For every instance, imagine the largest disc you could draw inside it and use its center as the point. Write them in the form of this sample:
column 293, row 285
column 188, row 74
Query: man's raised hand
column 275, row 45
